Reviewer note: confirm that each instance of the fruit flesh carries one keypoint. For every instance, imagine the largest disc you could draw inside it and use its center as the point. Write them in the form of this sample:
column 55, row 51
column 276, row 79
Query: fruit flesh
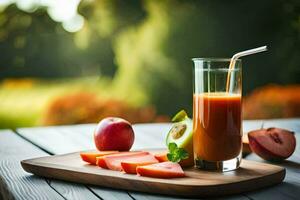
column 183, row 138
column 101, row 162
column 272, row 143
column 161, row 170
column 129, row 165
column 113, row 162
column 161, row 157
column 90, row 156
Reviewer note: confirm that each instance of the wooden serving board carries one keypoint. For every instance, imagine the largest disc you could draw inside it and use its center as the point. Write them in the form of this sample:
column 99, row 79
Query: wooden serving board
column 197, row 183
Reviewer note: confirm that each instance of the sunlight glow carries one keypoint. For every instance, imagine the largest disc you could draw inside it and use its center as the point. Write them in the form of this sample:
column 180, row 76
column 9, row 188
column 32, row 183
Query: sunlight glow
column 64, row 11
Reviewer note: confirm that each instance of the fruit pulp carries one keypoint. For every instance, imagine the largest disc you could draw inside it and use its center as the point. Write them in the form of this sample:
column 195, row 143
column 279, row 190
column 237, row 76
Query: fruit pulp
column 129, row 165
column 217, row 126
column 90, row 156
column 161, row 170
column 113, row 162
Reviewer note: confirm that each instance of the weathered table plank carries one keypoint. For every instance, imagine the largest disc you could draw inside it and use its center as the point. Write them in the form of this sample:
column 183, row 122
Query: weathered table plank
column 72, row 191
column 110, row 194
column 21, row 185
column 15, row 183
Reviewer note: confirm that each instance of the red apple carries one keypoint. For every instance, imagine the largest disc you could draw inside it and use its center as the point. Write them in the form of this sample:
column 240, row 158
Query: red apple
column 114, row 134
column 273, row 143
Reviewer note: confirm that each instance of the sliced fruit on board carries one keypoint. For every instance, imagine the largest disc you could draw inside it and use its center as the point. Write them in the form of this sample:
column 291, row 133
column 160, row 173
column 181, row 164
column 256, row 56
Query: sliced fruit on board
column 181, row 133
column 129, row 165
column 113, row 162
column 273, row 143
column 101, row 162
column 161, row 170
column 90, row 156
column 162, row 156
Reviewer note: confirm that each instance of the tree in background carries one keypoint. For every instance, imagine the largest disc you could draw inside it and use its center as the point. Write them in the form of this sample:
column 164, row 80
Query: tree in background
column 146, row 46
column 154, row 57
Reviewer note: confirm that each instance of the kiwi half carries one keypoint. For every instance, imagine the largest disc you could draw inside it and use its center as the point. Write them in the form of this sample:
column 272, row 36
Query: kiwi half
column 181, row 133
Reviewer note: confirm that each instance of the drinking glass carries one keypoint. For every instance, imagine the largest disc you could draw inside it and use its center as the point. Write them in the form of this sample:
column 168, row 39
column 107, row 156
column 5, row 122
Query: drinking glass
column 217, row 114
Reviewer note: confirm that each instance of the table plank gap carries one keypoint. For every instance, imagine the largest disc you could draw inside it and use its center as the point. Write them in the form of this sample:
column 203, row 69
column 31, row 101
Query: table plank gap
column 15, row 183
column 72, row 191
column 34, row 186
column 110, row 194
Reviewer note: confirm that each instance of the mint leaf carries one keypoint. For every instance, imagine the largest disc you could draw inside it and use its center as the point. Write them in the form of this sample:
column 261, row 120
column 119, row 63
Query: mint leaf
column 172, row 147
column 183, row 154
column 176, row 154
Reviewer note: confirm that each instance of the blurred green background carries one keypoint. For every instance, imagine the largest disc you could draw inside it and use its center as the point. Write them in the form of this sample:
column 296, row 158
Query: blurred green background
column 64, row 62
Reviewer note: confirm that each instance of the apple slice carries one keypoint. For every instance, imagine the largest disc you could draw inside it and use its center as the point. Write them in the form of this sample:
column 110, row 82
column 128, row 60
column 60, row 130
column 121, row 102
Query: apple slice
column 90, row 156
column 129, row 165
column 273, row 143
column 161, row 170
column 113, row 162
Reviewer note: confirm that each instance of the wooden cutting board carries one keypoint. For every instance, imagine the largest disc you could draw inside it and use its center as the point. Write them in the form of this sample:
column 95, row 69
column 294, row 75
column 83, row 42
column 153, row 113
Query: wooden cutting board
column 197, row 183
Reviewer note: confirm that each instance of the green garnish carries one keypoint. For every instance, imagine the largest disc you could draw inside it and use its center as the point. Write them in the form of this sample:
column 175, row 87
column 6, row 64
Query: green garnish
column 180, row 116
column 176, row 154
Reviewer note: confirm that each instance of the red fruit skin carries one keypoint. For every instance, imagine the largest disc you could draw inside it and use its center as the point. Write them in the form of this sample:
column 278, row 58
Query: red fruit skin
column 114, row 134
column 168, row 170
column 90, row 156
column 272, row 151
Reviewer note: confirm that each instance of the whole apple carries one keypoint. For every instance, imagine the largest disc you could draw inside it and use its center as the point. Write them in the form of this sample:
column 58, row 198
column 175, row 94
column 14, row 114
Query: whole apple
column 114, row 133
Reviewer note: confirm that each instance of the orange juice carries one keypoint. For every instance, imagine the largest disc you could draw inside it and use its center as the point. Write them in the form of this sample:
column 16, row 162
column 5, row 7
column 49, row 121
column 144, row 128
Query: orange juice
column 217, row 131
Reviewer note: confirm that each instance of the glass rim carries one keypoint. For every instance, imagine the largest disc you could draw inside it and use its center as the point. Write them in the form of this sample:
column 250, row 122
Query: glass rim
column 218, row 69
column 214, row 59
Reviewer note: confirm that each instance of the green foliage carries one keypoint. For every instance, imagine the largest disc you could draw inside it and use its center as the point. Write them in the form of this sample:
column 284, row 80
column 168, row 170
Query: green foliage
column 154, row 57
column 176, row 154
column 146, row 46
column 23, row 103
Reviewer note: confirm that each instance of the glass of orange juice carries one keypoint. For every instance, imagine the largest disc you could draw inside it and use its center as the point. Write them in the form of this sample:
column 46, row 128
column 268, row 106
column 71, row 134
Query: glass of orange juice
column 217, row 114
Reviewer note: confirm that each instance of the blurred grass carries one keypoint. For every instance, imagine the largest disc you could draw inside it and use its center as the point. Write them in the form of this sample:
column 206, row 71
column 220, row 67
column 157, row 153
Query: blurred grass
column 23, row 101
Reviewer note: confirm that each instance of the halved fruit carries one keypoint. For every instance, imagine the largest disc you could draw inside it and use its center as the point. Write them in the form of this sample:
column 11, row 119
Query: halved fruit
column 161, row 170
column 273, row 143
column 162, row 156
column 246, row 147
column 181, row 133
column 90, row 156
column 129, row 165
column 113, row 162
